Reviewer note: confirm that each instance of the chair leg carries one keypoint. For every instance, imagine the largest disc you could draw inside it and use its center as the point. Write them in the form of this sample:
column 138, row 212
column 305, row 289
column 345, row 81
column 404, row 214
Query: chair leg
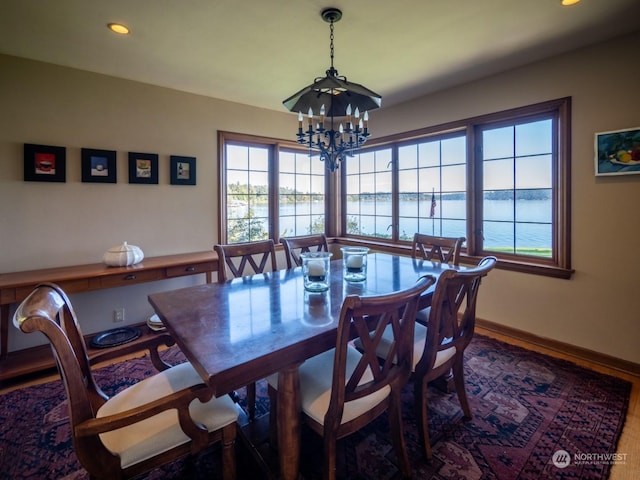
column 329, row 467
column 422, row 417
column 251, row 400
column 229, row 452
column 397, row 437
column 458, row 377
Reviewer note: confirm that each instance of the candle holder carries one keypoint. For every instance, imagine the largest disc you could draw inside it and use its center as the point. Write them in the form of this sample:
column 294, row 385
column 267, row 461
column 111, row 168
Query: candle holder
column 354, row 261
column 316, row 270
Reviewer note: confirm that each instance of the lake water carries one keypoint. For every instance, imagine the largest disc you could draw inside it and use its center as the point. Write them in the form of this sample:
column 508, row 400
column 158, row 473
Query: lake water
column 532, row 227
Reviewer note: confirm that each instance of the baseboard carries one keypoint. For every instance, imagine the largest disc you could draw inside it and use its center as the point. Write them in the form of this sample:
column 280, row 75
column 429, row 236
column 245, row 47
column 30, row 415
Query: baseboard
column 566, row 348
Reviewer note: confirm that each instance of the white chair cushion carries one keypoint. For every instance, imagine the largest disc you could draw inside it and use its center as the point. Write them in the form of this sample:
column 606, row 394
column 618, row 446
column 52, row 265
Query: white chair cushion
column 316, row 377
column 419, row 339
column 161, row 432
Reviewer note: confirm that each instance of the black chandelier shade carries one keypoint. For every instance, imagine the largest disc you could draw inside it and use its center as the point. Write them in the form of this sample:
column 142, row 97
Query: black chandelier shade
column 336, row 94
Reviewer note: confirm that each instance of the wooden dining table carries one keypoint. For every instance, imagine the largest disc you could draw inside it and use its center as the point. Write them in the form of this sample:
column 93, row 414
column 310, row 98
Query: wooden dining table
column 245, row 329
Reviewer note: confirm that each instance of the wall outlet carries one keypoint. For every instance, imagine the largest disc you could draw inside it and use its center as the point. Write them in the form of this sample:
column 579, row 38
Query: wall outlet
column 118, row 315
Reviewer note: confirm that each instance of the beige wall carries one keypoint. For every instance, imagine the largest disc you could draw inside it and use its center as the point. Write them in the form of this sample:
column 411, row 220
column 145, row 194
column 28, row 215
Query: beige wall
column 47, row 224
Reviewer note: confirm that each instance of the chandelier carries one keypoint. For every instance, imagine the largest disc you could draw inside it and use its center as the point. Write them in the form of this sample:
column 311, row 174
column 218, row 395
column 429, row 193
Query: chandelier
column 337, row 111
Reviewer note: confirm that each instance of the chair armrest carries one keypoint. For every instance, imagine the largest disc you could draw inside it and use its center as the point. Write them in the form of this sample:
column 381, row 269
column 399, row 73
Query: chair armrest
column 150, row 343
column 179, row 400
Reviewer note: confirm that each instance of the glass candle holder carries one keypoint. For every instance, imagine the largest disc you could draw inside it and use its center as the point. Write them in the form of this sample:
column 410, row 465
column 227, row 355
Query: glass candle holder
column 354, row 261
column 316, row 270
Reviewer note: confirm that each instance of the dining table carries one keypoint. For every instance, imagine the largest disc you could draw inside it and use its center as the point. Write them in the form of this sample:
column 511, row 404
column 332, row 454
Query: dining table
column 240, row 331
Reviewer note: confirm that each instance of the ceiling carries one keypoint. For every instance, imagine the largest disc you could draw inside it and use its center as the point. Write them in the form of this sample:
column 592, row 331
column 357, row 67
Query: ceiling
column 259, row 52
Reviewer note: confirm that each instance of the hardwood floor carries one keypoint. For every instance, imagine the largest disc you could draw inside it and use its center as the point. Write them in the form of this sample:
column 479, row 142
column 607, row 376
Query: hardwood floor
column 628, row 445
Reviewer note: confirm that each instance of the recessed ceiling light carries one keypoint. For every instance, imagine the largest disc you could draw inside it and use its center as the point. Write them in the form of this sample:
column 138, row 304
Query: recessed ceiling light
column 118, row 28
column 567, row 3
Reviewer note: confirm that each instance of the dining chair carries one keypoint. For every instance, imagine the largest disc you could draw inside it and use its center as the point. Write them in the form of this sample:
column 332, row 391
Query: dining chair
column 439, row 249
column 153, row 422
column 294, row 246
column 246, row 259
column 342, row 390
column 438, row 348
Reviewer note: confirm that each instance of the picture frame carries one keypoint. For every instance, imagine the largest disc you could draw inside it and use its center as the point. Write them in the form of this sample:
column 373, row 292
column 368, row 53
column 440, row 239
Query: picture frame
column 183, row 170
column 143, row 168
column 45, row 163
column 617, row 152
column 98, row 166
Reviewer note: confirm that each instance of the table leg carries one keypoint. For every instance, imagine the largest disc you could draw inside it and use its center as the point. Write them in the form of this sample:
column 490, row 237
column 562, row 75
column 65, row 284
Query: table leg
column 288, row 414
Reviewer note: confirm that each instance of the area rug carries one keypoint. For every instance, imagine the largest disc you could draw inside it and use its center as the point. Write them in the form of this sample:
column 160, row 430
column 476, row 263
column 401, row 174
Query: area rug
column 534, row 417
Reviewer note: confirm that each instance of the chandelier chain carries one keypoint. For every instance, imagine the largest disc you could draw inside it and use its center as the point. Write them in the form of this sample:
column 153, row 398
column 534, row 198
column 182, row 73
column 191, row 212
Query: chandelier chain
column 331, row 42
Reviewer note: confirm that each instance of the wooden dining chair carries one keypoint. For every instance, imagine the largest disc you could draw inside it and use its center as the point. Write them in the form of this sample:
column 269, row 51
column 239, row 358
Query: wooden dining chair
column 246, row 259
column 439, row 347
column 156, row 421
column 342, row 390
column 438, row 249
column 294, row 246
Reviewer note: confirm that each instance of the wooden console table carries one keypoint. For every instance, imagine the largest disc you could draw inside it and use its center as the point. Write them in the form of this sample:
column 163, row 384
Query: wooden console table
column 15, row 287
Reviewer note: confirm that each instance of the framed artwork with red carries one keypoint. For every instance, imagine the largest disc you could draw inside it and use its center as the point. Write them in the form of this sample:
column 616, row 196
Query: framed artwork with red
column 44, row 163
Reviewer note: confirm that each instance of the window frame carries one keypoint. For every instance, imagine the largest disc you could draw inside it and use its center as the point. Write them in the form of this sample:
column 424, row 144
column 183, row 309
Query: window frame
column 559, row 265
column 274, row 147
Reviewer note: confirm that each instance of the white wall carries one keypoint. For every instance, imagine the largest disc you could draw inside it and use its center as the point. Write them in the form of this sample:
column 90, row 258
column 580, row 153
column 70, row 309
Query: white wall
column 48, row 224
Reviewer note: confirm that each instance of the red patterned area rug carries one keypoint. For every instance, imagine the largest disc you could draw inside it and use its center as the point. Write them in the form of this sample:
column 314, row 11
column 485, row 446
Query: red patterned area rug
column 534, row 417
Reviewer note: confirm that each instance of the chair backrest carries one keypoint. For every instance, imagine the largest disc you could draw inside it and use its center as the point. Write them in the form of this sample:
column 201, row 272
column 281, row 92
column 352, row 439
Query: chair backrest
column 239, row 257
column 294, row 246
column 453, row 312
column 367, row 318
column 440, row 249
column 48, row 310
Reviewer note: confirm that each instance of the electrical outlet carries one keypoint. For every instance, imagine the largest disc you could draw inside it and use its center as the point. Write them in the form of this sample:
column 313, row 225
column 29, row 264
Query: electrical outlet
column 118, row 315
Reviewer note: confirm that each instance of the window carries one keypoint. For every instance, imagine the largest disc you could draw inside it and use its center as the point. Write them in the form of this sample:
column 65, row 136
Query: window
column 247, row 193
column 432, row 187
column 369, row 194
column 517, row 196
column 500, row 180
column 301, row 198
column 261, row 176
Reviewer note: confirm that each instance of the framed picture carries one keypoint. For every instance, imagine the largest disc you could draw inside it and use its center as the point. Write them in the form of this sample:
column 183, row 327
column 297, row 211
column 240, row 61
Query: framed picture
column 618, row 152
column 183, row 170
column 143, row 168
column 44, row 163
column 98, row 166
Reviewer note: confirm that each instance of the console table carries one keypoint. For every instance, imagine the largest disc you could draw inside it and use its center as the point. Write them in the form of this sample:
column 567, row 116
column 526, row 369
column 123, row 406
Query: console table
column 15, row 287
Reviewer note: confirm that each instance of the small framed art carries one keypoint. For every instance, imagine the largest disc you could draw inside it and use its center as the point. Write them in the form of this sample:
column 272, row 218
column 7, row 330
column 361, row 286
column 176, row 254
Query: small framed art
column 98, row 166
column 618, row 152
column 183, row 170
column 143, row 168
column 44, row 163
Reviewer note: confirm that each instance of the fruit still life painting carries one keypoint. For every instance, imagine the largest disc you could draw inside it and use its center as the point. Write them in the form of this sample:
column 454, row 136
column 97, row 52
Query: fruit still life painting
column 618, row 152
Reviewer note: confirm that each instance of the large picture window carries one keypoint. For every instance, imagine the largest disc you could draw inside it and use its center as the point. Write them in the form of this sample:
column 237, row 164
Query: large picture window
column 500, row 180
